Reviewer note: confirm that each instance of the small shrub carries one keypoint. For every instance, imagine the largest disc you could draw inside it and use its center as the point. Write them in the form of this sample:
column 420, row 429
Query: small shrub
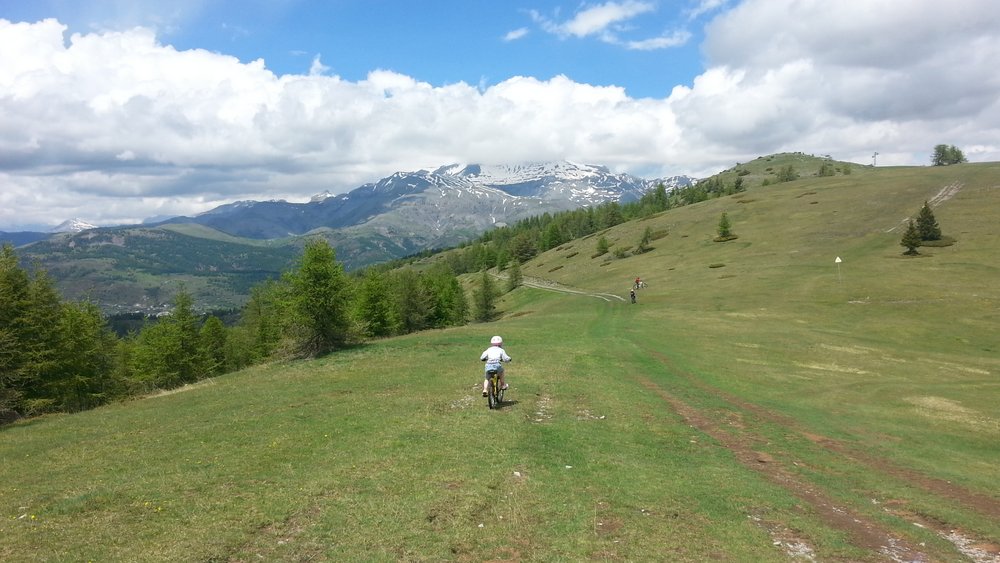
column 620, row 253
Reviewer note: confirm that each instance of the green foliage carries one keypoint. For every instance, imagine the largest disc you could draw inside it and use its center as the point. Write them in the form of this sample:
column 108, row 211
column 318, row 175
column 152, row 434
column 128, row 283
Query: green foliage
column 911, row 239
column 319, row 300
column 945, row 155
column 374, row 308
column 602, row 246
column 787, row 174
column 826, row 169
column 213, row 341
column 523, row 246
column 485, row 296
column 643, row 246
column 927, row 225
column 169, row 353
column 725, row 229
column 413, row 301
column 514, row 276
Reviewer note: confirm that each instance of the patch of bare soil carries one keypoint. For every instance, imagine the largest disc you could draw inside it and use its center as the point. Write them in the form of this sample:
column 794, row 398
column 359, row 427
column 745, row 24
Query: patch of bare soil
column 862, row 531
column 943, row 195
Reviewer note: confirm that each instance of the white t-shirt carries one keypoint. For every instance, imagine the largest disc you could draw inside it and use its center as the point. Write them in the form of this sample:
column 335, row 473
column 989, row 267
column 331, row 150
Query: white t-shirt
column 494, row 355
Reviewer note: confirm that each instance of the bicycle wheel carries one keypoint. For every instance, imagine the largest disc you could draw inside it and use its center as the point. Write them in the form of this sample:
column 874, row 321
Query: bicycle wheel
column 500, row 391
column 491, row 396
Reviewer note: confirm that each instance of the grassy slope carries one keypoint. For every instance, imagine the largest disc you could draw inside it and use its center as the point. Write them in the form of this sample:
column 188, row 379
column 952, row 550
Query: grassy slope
column 387, row 451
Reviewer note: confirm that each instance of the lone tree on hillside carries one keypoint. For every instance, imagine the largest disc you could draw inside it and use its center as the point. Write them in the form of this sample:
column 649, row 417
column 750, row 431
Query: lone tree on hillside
column 911, row 239
column 725, row 229
column 485, row 298
column 927, row 225
column 647, row 236
column 514, row 276
column 602, row 247
column 947, row 154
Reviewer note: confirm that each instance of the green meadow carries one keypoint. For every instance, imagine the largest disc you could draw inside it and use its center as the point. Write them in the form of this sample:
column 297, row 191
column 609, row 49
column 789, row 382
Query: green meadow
column 760, row 402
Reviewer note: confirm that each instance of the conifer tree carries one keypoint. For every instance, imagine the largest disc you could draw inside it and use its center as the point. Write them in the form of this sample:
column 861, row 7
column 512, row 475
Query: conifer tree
column 927, row 225
column 647, row 236
column 725, row 229
column 602, row 246
column 485, row 299
column 514, row 277
column 14, row 283
column 911, row 239
column 213, row 336
column 320, row 300
column 413, row 302
column 86, row 359
column 374, row 308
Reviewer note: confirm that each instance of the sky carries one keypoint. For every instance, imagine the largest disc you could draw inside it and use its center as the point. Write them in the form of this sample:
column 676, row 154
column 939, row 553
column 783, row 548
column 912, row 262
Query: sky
column 121, row 110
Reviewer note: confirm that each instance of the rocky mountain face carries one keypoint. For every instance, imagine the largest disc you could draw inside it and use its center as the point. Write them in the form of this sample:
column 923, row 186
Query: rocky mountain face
column 436, row 208
column 131, row 268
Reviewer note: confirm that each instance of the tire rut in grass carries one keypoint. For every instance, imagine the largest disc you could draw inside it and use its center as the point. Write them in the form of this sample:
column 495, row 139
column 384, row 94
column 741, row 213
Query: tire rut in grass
column 862, row 531
column 977, row 502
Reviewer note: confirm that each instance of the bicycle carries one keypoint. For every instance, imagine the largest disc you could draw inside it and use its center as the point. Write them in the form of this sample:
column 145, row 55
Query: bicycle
column 494, row 396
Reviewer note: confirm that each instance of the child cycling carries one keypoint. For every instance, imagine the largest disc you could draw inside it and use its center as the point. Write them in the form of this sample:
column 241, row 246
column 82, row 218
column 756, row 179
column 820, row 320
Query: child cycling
column 494, row 356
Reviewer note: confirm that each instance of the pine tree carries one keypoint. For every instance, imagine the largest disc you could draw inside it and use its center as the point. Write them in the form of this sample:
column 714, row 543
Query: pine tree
column 320, row 300
column 86, row 359
column 485, row 299
column 213, row 339
column 413, row 302
column 374, row 308
column 602, row 246
column 514, row 277
column 14, row 283
column 911, row 239
column 725, row 229
column 927, row 225
column 647, row 236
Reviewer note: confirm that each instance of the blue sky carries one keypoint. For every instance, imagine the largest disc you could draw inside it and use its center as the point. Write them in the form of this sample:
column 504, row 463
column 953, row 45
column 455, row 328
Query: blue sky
column 438, row 41
column 115, row 111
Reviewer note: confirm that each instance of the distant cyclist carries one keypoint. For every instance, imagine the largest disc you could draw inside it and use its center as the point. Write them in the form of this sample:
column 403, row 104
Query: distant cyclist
column 494, row 356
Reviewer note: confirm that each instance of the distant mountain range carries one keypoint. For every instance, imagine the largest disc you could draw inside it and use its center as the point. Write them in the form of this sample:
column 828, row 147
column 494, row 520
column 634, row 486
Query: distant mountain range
column 435, row 208
column 399, row 215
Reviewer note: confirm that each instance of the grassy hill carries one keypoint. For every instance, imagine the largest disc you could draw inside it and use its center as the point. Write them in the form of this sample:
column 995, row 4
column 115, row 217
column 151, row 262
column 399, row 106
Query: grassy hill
column 758, row 403
column 126, row 269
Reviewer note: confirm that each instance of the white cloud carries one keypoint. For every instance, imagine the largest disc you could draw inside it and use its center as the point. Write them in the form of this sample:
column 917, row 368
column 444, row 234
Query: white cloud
column 675, row 39
column 704, row 7
column 317, row 67
column 117, row 126
column 606, row 22
column 597, row 19
column 516, row 34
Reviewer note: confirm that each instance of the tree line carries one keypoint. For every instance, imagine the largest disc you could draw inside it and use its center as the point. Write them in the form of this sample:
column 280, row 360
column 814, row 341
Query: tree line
column 58, row 356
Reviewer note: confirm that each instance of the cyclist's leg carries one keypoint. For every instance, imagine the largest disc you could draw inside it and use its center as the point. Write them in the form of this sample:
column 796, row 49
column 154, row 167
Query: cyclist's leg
column 486, row 383
column 503, row 379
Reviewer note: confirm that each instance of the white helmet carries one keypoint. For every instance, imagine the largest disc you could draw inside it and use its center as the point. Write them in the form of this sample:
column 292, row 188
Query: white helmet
column 496, row 341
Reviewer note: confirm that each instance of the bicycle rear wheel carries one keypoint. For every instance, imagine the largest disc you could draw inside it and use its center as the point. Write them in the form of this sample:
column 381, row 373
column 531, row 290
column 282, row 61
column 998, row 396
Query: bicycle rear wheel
column 491, row 396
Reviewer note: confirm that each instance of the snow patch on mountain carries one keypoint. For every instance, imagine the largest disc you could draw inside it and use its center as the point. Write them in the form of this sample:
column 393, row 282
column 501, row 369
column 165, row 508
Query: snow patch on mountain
column 72, row 226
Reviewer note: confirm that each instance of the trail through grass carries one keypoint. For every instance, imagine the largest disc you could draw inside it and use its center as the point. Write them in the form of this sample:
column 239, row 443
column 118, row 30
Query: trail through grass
column 764, row 410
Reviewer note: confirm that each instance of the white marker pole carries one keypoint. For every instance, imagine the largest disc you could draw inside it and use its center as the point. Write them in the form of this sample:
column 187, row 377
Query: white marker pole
column 838, row 261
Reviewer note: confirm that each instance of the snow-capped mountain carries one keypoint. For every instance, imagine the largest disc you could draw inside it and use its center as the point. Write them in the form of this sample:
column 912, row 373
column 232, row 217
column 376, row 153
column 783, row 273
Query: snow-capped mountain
column 442, row 207
column 72, row 226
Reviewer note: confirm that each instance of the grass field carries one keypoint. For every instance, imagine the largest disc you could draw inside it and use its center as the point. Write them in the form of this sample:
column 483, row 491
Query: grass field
column 773, row 407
